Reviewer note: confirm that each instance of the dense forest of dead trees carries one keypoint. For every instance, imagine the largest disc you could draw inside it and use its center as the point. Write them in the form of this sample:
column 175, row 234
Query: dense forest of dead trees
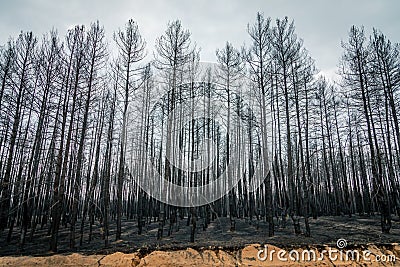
column 77, row 125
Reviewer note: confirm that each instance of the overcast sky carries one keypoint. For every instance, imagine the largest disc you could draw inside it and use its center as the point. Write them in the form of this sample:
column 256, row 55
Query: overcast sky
column 322, row 24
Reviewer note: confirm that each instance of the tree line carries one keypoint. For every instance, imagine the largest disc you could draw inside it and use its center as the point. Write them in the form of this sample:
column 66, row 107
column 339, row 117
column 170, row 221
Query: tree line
column 77, row 126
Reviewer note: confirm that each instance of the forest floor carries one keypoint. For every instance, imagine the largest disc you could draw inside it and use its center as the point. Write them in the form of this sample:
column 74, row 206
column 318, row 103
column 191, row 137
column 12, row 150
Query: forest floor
column 358, row 231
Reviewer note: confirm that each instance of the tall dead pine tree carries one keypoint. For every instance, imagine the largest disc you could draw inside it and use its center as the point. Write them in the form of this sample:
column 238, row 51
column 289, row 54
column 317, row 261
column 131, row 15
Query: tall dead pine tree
column 354, row 73
column 258, row 59
column 131, row 48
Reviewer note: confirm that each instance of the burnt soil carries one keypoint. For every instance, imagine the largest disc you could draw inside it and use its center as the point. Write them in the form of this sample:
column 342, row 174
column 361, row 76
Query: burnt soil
column 359, row 231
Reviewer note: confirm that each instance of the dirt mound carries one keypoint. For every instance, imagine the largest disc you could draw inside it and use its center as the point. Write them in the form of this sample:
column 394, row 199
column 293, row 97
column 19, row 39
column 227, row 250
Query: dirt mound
column 251, row 255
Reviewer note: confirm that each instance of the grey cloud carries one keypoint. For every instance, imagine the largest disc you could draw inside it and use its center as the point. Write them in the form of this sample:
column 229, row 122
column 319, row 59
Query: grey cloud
column 321, row 24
